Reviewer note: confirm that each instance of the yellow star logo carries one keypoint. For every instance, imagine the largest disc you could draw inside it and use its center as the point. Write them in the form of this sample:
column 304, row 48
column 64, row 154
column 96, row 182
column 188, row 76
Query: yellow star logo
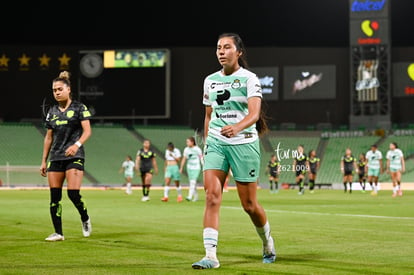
column 64, row 60
column 44, row 60
column 24, row 60
column 4, row 61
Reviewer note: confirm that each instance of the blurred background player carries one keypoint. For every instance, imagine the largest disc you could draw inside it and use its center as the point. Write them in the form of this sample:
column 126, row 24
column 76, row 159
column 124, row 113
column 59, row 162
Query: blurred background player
column 272, row 171
column 172, row 171
column 193, row 155
column 314, row 164
column 374, row 167
column 348, row 167
column 395, row 167
column 361, row 163
column 127, row 168
column 300, row 166
column 146, row 163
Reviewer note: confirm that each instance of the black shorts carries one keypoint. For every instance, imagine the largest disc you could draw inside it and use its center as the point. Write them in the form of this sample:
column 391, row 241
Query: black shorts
column 348, row 173
column 361, row 175
column 300, row 172
column 274, row 174
column 64, row 165
column 144, row 171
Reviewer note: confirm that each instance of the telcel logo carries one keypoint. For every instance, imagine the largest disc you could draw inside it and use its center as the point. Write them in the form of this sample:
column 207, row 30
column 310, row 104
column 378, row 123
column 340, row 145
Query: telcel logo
column 367, row 5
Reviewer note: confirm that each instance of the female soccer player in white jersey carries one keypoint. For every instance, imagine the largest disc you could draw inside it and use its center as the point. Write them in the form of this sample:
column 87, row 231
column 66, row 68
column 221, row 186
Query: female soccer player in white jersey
column 128, row 168
column 193, row 156
column 395, row 167
column 232, row 124
column 374, row 167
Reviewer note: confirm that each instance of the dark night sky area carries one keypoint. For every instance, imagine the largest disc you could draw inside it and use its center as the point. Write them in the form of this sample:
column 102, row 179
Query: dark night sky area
column 302, row 23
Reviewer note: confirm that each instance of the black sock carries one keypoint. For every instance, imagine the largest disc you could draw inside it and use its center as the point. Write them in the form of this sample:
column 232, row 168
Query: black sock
column 56, row 209
column 147, row 189
column 345, row 186
column 311, row 184
column 276, row 185
column 271, row 184
column 300, row 183
column 144, row 189
column 76, row 199
column 350, row 187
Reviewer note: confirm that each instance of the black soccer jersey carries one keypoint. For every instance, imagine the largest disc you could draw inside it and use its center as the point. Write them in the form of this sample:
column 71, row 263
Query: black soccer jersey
column 361, row 166
column 313, row 164
column 348, row 163
column 67, row 129
column 301, row 163
column 146, row 159
column 273, row 168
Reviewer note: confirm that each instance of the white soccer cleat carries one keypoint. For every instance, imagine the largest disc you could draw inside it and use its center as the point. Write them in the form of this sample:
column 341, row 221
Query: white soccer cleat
column 269, row 252
column 87, row 228
column 206, row 263
column 145, row 198
column 55, row 237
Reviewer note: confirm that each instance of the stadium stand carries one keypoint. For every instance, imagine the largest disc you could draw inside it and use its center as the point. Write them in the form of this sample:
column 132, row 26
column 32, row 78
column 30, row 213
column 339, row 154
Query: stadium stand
column 329, row 171
column 21, row 149
column 20, row 154
column 284, row 143
column 105, row 152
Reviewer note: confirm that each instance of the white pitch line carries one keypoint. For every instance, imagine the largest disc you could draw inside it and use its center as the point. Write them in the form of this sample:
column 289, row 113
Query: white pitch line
column 329, row 214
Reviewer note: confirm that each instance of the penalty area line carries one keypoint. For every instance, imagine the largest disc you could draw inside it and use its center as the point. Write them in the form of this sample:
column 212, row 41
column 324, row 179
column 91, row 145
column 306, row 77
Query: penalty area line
column 329, row 214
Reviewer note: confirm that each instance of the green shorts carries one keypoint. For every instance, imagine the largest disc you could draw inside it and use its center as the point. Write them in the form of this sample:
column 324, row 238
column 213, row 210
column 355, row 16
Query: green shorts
column 172, row 172
column 193, row 174
column 128, row 175
column 395, row 169
column 244, row 159
column 373, row 172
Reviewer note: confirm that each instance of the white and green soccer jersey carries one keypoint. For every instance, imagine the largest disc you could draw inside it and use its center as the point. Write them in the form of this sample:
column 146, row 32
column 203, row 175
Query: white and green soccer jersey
column 193, row 156
column 128, row 166
column 228, row 95
column 395, row 157
column 373, row 159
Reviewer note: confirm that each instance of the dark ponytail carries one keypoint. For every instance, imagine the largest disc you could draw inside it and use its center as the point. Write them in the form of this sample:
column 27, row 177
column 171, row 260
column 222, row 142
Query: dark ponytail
column 261, row 124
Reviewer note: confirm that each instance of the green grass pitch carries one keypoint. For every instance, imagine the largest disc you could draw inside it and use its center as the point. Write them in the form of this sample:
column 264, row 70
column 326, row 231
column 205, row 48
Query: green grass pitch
column 328, row 232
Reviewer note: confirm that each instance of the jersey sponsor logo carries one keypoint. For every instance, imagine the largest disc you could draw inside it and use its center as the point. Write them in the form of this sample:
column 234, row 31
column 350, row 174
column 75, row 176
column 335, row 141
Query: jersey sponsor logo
column 213, row 85
column 61, row 122
column 222, row 96
column 224, row 116
column 55, row 117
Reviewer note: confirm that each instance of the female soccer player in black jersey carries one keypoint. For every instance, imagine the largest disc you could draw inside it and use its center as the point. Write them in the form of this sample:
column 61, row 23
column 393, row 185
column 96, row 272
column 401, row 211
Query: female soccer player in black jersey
column 348, row 168
column 314, row 163
column 300, row 167
column 68, row 128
